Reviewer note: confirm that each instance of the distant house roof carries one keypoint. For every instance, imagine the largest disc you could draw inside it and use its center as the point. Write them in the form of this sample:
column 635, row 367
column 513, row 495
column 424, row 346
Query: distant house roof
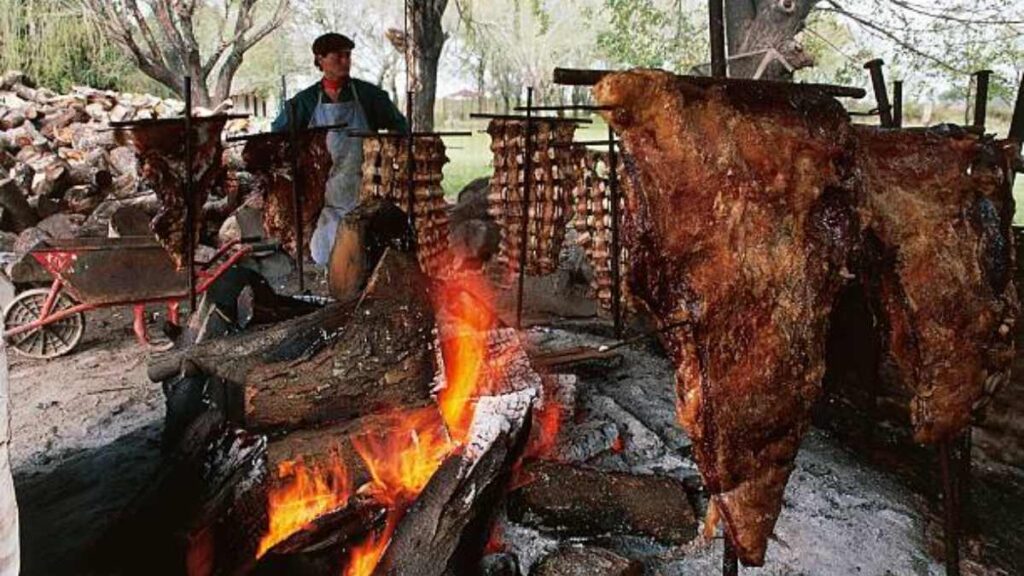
column 464, row 94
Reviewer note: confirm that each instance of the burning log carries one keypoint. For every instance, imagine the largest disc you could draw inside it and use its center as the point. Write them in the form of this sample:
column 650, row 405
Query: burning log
column 554, row 499
column 335, row 364
column 268, row 158
column 160, row 145
column 385, row 177
column 446, row 527
column 739, row 229
column 551, row 183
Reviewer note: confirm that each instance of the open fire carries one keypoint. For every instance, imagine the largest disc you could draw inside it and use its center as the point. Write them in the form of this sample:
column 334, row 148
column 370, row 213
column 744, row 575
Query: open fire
column 404, row 452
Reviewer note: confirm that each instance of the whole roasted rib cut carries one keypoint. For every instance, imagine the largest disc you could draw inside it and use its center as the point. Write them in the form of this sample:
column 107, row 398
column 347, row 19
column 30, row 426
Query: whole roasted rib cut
column 739, row 226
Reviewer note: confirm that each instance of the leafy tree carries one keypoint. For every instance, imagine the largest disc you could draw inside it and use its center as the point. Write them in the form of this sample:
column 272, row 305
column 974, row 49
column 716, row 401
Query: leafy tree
column 53, row 43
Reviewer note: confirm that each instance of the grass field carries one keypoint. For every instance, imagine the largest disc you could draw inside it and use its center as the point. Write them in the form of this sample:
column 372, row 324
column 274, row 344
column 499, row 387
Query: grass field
column 470, row 156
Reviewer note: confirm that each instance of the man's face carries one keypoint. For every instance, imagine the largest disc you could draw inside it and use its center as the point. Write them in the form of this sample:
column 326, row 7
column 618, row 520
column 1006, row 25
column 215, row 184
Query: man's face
column 336, row 64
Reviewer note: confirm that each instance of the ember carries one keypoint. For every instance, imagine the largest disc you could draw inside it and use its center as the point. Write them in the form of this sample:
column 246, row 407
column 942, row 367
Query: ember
column 307, row 493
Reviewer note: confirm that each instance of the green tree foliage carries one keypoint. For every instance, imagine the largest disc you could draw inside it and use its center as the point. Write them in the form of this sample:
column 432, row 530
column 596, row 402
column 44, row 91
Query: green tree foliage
column 56, row 45
column 652, row 33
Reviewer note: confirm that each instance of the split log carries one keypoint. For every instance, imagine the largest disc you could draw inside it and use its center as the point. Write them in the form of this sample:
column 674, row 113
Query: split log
column 335, row 364
column 18, row 215
column 445, row 530
column 611, row 503
column 363, row 236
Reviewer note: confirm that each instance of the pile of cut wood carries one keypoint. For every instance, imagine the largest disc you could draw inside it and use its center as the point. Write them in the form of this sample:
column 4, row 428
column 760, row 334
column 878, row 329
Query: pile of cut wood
column 62, row 171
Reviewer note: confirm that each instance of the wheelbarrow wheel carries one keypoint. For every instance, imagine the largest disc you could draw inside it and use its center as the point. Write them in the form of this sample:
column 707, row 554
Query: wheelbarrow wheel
column 51, row 340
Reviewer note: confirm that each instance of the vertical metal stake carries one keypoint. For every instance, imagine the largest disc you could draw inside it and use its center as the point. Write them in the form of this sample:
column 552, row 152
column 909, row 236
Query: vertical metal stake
column 613, row 183
column 881, row 95
column 1017, row 124
column 897, row 104
column 981, row 97
column 300, row 248
column 949, row 508
column 716, row 25
column 525, row 223
column 410, row 167
column 190, row 248
column 730, row 563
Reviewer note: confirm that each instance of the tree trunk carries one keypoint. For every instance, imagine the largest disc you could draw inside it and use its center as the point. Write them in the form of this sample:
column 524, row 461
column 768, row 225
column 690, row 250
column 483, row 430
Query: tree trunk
column 757, row 25
column 422, row 53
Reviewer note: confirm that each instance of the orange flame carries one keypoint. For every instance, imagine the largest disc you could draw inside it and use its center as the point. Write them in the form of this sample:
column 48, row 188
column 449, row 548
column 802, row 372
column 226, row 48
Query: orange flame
column 366, row 555
column 305, row 493
column 403, row 456
column 465, row 302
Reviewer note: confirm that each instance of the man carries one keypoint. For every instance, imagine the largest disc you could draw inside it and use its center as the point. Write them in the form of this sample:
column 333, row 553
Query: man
column 339, row 99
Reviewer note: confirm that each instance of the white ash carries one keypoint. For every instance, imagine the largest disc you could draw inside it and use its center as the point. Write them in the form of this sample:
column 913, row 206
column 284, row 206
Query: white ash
column 580, row 443
column 497, row 415
column 840, row 516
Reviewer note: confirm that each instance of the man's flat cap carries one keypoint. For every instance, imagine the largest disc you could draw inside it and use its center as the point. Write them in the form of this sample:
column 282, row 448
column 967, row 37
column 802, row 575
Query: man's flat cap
column 332, row 42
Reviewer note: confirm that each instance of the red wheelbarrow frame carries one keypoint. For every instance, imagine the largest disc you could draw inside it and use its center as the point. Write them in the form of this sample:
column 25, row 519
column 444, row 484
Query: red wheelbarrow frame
column 58, row 261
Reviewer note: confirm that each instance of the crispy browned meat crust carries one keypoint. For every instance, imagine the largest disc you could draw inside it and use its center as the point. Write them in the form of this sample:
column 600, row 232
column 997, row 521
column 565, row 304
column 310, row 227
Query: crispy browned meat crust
column 940, row 206
column 740, row 225
column 268, row 157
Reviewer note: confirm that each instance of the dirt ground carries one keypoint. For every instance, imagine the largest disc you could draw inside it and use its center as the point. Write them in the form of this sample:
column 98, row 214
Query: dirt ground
column 85, row 435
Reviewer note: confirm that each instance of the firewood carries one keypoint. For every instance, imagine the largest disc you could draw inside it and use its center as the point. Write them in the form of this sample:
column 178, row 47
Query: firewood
column 612, row 503
column 362, row 237
column 326, row 366
column 18, row 215
column 445, row 529
column 383, row 357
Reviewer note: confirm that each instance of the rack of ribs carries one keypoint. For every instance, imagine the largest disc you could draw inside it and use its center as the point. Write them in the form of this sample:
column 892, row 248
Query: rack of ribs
column 551, row 184
column 160, row 145
column 385, row 170
column 268, row 158
column 592, row 220
column 939, row 207
column 739, row 225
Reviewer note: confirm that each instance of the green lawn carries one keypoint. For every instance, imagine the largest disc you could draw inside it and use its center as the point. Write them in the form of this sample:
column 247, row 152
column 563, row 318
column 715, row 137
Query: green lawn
column 470, row 156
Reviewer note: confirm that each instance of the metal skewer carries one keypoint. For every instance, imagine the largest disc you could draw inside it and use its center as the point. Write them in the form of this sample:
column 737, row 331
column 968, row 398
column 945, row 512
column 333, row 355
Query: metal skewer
column 524, row 237
column 293, row 138
column 190, row 248
column 730, row 563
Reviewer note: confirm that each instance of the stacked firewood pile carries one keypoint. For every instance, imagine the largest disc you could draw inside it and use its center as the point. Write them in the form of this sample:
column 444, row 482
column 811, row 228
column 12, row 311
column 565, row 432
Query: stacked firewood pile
column 63, row 172
column 550, row 181
column 385, row 169
column 592, row 220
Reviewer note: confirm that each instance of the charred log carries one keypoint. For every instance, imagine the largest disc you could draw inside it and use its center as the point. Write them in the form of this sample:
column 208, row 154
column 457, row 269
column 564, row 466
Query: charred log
column 580, row 502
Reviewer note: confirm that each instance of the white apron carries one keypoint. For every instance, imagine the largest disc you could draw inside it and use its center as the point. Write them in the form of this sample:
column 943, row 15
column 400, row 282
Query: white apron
column 341, row 195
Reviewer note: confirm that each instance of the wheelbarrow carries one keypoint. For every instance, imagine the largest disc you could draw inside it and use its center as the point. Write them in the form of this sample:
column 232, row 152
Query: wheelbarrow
column 91, row 273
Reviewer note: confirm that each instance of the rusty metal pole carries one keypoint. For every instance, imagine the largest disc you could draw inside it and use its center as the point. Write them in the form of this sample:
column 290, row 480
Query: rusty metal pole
column 981, row 78
column 716, row 24
column 730, row 563
column 613, row 184
column 897, row 104
column 1017, row 124
column 410, row 167
column 881, row 95
column 190, row 217
column 524, row 237
column 949, row 509
column 293, row 140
